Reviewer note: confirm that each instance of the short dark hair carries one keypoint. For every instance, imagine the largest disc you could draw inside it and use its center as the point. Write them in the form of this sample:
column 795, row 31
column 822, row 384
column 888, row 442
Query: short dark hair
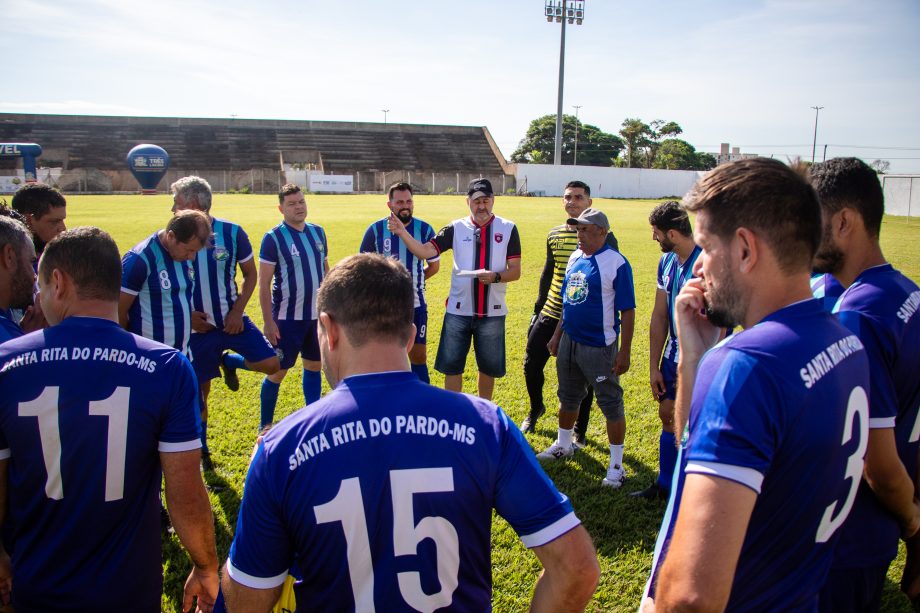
column 371, row 297
column 850, row 183
column 6, row 211
column 768, row 197
column 189, row 224
column 37, row 199
column 287, row 189
column 580, row 184
column 13, row 231
column 670, row 216
column 402, row 186
column 90, row 257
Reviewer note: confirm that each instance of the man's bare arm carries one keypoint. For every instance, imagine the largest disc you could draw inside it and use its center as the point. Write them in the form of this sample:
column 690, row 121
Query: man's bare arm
column 570, row 573
column 657, row 335
column 419, row 250
column 889, row 480
column 125, row 300
column 242, row 599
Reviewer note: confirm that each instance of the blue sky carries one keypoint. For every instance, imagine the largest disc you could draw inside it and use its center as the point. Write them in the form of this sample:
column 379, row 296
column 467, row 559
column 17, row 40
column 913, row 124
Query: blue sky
column 744, row 72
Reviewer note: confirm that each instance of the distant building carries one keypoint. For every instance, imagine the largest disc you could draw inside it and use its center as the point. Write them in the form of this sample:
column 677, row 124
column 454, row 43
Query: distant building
column 724, row 156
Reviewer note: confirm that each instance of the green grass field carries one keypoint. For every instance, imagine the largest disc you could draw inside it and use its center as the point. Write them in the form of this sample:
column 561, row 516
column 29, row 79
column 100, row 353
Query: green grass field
column 623, row 529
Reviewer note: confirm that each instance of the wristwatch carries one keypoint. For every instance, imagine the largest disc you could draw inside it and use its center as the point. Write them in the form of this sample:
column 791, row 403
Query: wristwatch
column 498, row 278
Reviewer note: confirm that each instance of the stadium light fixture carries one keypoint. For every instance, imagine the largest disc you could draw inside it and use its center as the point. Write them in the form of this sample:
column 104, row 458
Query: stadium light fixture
column 814, row 142
column 384, row 111
column 571, row 11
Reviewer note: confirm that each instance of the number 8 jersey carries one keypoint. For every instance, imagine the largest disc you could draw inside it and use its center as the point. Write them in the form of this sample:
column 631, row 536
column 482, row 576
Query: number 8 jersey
column 382, row 495
column 85, row 410
column 781, row 408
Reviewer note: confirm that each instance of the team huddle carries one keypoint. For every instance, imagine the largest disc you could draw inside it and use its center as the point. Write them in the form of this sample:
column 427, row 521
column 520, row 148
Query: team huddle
column 788, row 450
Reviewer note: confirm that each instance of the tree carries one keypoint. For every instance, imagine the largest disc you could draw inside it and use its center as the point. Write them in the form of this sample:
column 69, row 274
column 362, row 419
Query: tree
column 595, row 147
column 880, row 166
column 658, row 130
column 677, row 154
column 636, row 134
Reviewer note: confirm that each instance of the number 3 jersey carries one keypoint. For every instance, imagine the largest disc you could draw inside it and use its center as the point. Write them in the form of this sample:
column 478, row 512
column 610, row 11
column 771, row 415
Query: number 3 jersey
column 382, row 494
column 85, row 409
column 780, row 408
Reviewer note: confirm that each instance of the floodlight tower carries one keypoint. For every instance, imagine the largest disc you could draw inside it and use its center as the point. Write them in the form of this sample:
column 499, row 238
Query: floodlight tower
column 571, row 11
column 576, row 107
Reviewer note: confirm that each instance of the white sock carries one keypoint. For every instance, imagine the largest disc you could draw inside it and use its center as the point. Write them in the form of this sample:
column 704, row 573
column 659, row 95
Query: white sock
column 565, row 437
column 616, row 455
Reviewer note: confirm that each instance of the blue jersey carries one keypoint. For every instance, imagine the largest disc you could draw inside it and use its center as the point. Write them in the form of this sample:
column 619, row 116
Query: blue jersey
column 298, row 258
column 162, row 310
column 352, row 490
column 378, row 239
column 672, row 276
column 8, row 328
column 215, row 270
column 85, row 410
column 827, row 289
column 596, row 289
column 781, row 408
column 880, row 307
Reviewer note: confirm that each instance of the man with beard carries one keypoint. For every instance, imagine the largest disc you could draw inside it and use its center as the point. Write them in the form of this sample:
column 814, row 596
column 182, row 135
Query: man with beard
column 379, row 239
column 487, row 256
column 879, row 305
column 671, row 230
column 349, row 490
column 561, row 242
column 17, row 274
column 778, row 414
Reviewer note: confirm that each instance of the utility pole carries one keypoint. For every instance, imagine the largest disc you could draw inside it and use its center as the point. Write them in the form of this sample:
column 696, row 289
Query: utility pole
column 385, row 111
column 814, row 143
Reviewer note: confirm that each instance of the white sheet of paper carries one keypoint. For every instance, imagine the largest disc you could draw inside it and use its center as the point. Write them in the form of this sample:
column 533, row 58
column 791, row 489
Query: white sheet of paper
column 470, row 273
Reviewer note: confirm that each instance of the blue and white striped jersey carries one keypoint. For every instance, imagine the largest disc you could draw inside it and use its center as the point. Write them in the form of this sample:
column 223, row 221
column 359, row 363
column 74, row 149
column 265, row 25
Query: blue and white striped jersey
column 298, row 258
column 378, row 239
column 215, row 270
column 164, row 288
column 672, row 276
column 596, row 289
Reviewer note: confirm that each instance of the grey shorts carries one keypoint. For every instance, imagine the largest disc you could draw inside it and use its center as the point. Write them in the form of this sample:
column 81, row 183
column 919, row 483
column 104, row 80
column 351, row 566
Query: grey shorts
column 578, row 366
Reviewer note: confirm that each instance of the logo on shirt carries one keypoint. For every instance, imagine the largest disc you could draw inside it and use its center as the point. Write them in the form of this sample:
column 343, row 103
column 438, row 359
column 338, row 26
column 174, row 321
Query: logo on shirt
column 165, row 283
column 576, row 289
column 294, row 252
column 221, row 254
column 319, row 246
column 499, row 237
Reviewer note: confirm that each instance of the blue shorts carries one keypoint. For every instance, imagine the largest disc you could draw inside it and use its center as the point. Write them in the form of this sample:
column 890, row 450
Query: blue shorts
column 207, row 347
column 669, row 373
column 420, row 319
column 297, row 336
column 488, row 336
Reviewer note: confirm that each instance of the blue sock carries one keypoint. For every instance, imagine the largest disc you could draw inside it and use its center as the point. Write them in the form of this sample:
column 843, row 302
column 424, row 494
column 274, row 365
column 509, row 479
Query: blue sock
column 204, row 437
column 421, row 371
column 268, row 399
column 667, row 458
column 312, row 385
column 234, row 360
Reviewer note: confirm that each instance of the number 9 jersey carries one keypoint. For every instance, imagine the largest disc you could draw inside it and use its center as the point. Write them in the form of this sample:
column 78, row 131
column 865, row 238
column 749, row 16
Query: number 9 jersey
column 85, row 409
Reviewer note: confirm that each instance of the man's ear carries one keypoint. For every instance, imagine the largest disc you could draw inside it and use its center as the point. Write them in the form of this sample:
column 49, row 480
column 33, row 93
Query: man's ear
column 746, row 248
column 330, row 329
column 9, row 258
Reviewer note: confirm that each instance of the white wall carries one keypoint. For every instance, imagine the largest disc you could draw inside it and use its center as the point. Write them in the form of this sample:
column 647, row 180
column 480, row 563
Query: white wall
column 607, row 182
column 902, row 195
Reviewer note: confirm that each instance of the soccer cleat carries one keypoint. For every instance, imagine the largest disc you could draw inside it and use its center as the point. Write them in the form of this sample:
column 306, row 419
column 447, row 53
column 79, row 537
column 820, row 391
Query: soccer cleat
column 230, row 379
column 580, row 441
column 556, row 452
column 615, row 477
column 530, row 422
column 652, row 492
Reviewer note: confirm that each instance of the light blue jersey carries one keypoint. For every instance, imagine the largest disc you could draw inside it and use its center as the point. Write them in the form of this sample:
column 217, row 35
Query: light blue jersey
column 596, row 289
column 298, row 258
column 378, row 239
column 162, row 310
column 672, row 276
column 215, row 270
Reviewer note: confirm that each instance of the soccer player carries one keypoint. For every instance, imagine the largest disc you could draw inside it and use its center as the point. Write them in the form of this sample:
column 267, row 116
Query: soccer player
column 44, row 209
column 593, row 340
column 381, row 494
column 487, row 256
column 379, row 239
column 219, row 320
column 560, row 243
column 17, row 274
column 292, row 262
column 779, row 412
column 671, row 230
column 158, row 282
column 879, row 305
column 91, row 419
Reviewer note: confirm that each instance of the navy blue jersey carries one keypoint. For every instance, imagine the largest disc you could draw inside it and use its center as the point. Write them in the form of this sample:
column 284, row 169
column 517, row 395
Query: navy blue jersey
column 215, row 270
column 162, row 310
column 596, row 289
column 381, row 494
column 8, row 328
column 671, row 278
column 298, row 258
column 827, row 289
column 880, row 307
column 85, row 410
column 781, row 408
column 378, row 239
